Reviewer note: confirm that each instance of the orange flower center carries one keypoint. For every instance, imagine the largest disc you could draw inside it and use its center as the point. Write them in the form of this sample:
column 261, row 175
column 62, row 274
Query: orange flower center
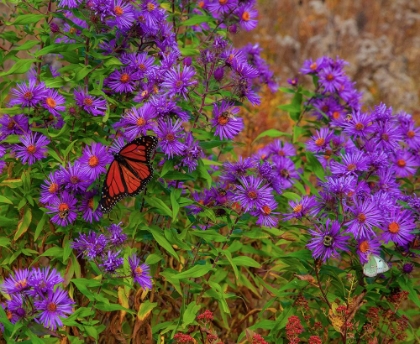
column 28, row 95
column 401, row 163
column 223, row 120
column 142, row 66
column 118, row 10
column 313, row 66
column 21, row 284
column 282, row 153
column 52, row 307
column 93, row 161
column 266, row 210
column 150, row 7
column 179, row 84
column 53, row 188
column 74, row 180
column 124, row 78
column 359, row 126
column 141, row 122
column 298, row 208
column 170, row 137
column 330, row 77
column 336, row 115
column 351, row 167
column 252, row 194
column 411, row 134
column 201, row 4
column 223, row 2
column 394, row 227
column 320, row 141
column 361, row 217
column 155, row 89
column 385, row 137
column 51, row 102
column 284, row 173
column 88, row 101
column 11, row 124
column 245, row 16
column 90, row 203
column 31, row 149
column 63, row 207
column 364, row 246
column 72, row 30
column 145, row 93
column 138, row 270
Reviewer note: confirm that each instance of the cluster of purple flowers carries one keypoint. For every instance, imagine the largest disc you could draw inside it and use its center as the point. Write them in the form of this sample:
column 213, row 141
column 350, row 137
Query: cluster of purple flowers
column 106, row 252
column 34, row 295
column 364, row 155
column 251, row 184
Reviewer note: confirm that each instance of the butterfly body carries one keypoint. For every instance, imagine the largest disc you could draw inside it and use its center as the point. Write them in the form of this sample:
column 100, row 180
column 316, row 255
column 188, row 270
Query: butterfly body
column 375, row 265
column 129, row 173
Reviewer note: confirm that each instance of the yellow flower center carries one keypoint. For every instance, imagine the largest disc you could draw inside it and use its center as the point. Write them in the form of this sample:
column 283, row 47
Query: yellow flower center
column 298, row 208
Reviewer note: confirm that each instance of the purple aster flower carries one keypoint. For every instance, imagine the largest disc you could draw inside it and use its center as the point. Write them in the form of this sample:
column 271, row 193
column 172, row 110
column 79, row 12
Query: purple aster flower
column 224, row 120
column 280, row 148
column 28, row 95
column 235, row 170
column 313, row 67
column 351, row 164
column 388, row 136
column 411, row 135
column 55, row 306
column 33, row 147
column 92, row 105
column 247, row 17
column 331, row 79
column 64, row 209
column 366, row 215
column 286, row 171
column 387, row 182
column 251, row 194
column 86, row 207
column 53, row 102
column 243, row 89
column 142, row 63
column 116, row 234
column 404, row 163
column 123, row 14
column 223, row 6
column 17, row 283
column 320, row 141
column 359, row 124
column 43, row 280
column 122, row 81
column 169, row 135
column 398, row 226
column 177, row 81
column 90, row 245
column 13, row 125
column 50, row 188
column 75, row 178
column 111, row 261
column 69, row 3
column 140, row 273
column 16, row 307
column 152, row 13
column 340, row 186
column 192, row 153
column 94, row 159
column 367, row 247
column 138, row 121
column 301, row 208
column 266, row 216
column 327, row 240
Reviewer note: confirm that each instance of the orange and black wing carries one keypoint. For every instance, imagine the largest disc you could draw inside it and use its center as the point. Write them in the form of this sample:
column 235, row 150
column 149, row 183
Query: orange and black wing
column 129, row 173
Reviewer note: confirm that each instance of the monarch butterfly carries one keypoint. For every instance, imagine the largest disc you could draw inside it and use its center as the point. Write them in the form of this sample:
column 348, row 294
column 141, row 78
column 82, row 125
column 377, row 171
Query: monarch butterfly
column 129, row 173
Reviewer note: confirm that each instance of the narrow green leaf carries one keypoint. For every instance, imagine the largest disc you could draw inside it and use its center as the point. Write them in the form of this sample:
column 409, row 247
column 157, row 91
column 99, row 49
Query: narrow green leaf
column 53, row 252
column 174, row 204
column 4, row 241
column 26, row 46
column 25, row 19
column 272, row 133
column 145, row 309
column 20, row 67
column 4, row 199
column 228, row 256
column 197, row 19
column 190, row 314
column 159, row 204
column 315, row 165
column 194, row 272
column 204, row 173
column 161, row 240
column 246, row 261
column 40, row 226
column 291, row 195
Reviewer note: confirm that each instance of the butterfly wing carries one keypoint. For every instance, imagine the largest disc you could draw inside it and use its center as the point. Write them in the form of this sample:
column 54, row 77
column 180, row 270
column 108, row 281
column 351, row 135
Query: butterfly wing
column 382, row 266
column 370, row 269
column 129, row 173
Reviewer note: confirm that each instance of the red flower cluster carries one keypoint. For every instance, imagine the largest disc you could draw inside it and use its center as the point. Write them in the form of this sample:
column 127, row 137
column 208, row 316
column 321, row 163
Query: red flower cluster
column 183, row 338
column 206, row 316
column 293, row 329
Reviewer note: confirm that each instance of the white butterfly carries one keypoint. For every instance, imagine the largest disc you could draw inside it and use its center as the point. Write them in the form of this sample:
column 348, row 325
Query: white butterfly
column 375, row 265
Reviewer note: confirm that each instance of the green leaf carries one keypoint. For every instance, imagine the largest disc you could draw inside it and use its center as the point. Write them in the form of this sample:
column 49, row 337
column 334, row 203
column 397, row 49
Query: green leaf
column 194, row 272
column 110, row 307
column 210, row 235
column 4, row 199
column 113, row 61
column 53, row 252
column 25, row 19
column 291, row 195
column 4, row 241
column 54, row 154
column 145, row 309
column 190, row 314
column 20, row 67
column 174, row 203
column 189, row 51
column 23, row 224
column 82, row 72
column 153, row 259
column 272, row 133
column 159, row 204
column 246, row 261
column 207, row 162
column 26, row 46
column 197, row 19
column 228, row 256
column 71, row 56
column 40, row 226
column 161, row 240
column 204, row 173
column 315, row 165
